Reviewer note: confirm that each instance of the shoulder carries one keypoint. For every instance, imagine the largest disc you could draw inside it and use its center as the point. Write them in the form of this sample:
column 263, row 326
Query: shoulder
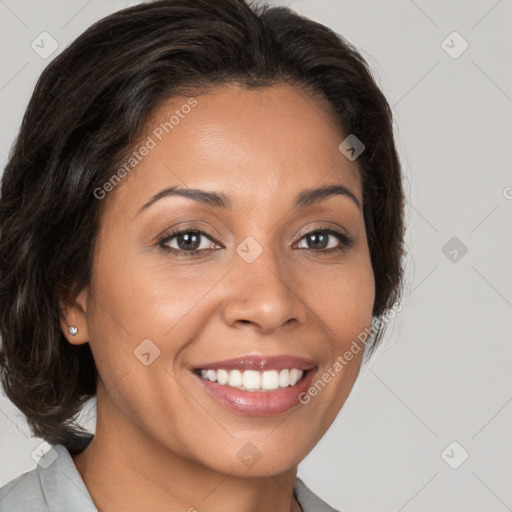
column 308, row 500
column 53, row 486
column 23, row 494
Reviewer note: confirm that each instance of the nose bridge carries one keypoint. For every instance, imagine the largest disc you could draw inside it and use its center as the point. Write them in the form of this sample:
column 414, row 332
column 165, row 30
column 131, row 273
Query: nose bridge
column 261, row 290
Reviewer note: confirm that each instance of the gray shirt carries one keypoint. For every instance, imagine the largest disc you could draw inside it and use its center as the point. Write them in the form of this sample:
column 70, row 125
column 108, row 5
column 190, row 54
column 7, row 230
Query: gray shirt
column 56, row 486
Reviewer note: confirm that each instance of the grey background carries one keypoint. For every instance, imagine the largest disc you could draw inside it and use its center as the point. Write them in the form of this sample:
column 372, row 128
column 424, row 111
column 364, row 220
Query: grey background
column 443, row 373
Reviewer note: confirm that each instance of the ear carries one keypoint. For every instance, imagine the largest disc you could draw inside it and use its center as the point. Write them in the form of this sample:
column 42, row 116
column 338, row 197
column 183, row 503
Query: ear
column 73, row 314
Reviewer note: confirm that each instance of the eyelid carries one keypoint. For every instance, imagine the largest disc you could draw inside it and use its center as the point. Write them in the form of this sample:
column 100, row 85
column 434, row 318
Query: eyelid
column 162, row 240
column 171, row 232
column 325, row 226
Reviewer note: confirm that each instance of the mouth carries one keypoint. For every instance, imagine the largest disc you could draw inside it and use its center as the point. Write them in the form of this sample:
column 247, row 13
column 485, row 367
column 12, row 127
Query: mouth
column 255, row 385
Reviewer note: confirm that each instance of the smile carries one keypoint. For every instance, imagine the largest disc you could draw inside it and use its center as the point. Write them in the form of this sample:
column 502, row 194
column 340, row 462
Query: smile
column 257, row 386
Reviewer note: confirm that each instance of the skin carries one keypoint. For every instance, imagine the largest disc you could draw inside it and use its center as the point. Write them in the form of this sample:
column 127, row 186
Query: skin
column 157, row 430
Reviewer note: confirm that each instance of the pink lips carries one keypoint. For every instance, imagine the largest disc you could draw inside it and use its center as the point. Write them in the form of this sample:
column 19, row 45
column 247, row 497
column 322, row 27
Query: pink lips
column 259, row 403
column 260, row 363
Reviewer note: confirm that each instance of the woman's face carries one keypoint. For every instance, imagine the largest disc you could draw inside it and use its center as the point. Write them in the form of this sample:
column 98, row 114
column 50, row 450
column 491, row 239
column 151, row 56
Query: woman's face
column 267, row 279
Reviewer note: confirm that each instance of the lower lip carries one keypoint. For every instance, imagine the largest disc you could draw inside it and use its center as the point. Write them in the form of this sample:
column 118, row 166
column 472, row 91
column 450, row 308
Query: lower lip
column 258, row 403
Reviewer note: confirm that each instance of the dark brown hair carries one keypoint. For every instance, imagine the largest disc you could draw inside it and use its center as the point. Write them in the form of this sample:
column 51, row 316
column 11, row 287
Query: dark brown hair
column 87, row 110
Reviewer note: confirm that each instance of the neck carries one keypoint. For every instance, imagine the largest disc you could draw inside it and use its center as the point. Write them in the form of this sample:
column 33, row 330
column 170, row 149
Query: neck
column 124, row 470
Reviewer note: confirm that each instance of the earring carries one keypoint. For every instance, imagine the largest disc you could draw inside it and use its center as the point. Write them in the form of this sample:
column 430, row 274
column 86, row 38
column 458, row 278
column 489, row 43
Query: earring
column 72, row 330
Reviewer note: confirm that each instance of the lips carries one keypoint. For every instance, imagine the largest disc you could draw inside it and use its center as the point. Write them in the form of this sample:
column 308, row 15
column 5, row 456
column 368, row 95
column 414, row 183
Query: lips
column 245, row 396
column 259, row 363
column 258, row 403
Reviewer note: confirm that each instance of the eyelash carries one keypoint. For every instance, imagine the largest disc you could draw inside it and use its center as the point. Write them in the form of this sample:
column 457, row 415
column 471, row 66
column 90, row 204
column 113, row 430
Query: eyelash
column 345, row 241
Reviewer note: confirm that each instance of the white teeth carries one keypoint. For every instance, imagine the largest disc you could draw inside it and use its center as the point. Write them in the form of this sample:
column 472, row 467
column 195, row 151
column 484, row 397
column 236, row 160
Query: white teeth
column 222, row 376
column 253, row 380
column 235, row 378
column 284, row 378
column 270, row 380
column 295, row 375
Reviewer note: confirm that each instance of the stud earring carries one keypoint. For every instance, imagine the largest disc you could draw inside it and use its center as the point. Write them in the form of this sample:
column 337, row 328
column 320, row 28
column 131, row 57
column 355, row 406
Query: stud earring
column 72, row 330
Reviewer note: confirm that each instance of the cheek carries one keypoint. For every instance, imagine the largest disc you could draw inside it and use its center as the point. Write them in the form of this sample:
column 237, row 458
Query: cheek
column 133, row 302
column 141, row 299
column 344, row 299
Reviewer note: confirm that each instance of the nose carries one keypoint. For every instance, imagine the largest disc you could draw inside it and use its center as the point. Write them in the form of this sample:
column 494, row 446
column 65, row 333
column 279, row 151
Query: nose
column 265, row 294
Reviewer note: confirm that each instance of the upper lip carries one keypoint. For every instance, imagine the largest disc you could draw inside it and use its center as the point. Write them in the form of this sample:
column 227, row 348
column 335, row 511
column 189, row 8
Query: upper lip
column 254, row 362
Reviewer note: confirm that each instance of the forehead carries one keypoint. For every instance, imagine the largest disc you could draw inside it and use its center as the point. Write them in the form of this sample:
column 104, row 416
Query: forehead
column 257, row 146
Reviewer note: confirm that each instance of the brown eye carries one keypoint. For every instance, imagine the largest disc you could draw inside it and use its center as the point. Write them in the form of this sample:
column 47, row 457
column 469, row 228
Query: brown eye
column 187, row 241
column 322, row 240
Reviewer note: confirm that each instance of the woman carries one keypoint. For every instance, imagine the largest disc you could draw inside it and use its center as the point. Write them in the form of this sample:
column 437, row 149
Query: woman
column 201, row 219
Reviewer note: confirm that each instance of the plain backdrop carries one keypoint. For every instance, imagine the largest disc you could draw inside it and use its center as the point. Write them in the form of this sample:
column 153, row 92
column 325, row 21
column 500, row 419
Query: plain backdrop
column 427, row 427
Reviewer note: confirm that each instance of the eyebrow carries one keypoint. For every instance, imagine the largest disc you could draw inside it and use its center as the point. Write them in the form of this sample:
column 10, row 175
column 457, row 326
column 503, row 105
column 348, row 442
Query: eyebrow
column 306, row 198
